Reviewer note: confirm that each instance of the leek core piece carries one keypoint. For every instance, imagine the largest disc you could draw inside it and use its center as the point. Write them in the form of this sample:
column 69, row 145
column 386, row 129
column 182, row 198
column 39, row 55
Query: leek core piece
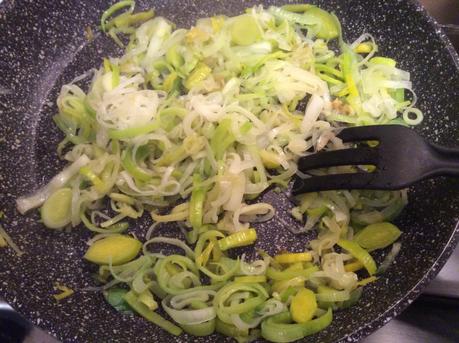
column 245, row 30
column 303, row 305
column 118, row 249
column 377, row 236
column 56, row 211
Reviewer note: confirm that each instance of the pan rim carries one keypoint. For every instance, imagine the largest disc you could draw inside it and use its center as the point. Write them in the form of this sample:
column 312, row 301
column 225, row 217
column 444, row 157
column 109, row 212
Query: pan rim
column 449, row 246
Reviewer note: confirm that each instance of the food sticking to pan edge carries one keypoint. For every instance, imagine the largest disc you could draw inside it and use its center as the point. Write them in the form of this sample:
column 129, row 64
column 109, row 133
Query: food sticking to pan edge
column 191, row 126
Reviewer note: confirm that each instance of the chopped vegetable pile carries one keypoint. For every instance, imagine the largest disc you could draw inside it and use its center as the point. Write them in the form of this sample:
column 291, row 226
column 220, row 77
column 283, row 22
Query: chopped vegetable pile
column 190, row 126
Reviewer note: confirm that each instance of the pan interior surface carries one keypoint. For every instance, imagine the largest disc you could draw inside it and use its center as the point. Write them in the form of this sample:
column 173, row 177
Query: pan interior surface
column 43, row 46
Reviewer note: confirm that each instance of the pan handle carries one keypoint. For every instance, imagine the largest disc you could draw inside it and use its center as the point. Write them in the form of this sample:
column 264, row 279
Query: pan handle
column 13, row 328
column 16, row 329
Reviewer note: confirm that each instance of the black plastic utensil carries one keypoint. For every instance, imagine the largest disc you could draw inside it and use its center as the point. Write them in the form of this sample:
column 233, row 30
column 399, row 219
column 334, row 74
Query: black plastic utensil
column 402, row 158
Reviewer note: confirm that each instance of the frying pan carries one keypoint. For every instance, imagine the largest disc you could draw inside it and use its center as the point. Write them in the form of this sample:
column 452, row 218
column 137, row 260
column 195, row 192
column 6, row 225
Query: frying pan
column 43, row 46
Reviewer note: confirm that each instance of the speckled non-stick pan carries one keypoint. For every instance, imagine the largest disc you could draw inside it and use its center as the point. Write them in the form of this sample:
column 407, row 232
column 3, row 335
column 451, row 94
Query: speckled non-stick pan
column 43, row 46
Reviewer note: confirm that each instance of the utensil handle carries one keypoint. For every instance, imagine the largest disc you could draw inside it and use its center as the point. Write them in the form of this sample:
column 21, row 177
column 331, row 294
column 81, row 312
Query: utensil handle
column 445, row 161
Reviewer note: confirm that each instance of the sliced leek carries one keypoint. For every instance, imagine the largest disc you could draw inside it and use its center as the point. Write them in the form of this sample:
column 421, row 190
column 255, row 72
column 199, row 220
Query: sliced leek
column 191, row 125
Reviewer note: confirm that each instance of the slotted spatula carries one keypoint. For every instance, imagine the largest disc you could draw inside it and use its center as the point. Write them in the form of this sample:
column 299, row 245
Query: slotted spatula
column 402, row 158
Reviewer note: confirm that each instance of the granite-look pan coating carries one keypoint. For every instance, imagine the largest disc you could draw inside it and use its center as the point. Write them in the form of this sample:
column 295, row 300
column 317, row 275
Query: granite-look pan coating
column 43, row 46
